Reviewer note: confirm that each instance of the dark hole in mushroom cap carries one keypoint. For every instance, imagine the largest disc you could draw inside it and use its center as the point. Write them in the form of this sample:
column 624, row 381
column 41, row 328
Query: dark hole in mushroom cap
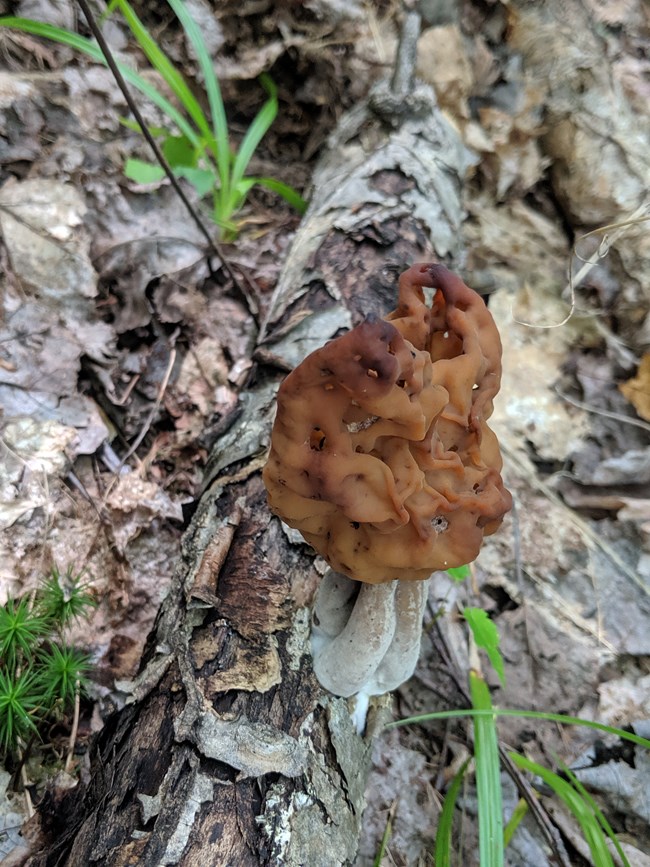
column 317, row 439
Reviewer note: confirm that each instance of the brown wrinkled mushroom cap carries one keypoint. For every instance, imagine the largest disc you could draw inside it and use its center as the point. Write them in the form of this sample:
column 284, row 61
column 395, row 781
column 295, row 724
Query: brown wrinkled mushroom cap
column 380, row 453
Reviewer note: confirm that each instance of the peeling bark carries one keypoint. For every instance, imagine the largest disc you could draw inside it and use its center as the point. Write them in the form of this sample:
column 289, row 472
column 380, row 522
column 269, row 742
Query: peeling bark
column 229, row 751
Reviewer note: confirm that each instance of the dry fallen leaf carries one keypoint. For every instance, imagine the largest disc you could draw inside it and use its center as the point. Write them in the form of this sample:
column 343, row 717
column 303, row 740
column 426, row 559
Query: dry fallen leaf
column 637, row 389
column 443, row 62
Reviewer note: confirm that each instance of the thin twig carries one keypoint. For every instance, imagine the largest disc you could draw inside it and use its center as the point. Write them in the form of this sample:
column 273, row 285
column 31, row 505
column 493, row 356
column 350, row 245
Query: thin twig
column 519, row 574
column 150, row 415
column 526, row 791
column 75, row 482
column 616, row 416
column 621, row 227
column 120, row 401
column 565, row 610
column 430, row 685
column 440, row 776
column 154, row 409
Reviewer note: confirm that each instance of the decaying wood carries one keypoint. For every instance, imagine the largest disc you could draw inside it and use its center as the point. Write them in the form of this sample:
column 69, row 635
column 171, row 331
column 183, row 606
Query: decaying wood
column 229, row 751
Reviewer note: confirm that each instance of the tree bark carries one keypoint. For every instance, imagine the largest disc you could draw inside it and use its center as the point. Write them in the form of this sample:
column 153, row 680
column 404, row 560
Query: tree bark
column 229, row 751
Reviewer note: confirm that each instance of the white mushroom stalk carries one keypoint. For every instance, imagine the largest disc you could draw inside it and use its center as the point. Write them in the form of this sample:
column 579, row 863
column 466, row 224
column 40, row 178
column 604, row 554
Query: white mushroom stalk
column 366, row 644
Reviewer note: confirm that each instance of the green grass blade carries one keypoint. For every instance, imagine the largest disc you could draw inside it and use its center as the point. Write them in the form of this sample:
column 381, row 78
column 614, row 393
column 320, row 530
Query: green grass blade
column 488, row 776
column 163, row 65
column 486, row 635
column 525, row 714
column 91, row 49
column 239, row 193
column 388, row 830
column 213, row 90
column 134, row 126
column 514, row 821
column 142, row 172
column 255, row 133
column 288, row 193
column 607, row 828
column 442, row 856
column 581, row 810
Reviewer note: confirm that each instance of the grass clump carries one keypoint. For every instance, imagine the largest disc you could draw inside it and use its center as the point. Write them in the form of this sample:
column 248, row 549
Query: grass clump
column 40, row 674
column 494, row 834
column 197, row 143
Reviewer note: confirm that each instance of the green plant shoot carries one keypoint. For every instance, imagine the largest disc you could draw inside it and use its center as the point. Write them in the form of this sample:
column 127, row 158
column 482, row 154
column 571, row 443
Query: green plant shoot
column 196, row 146
column 486, row 636
column 40, row 675
column 459, row 573
column 488, row 776
column 445, row 821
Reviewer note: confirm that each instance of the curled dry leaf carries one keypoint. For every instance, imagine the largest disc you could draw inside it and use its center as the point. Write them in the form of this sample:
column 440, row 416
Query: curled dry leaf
column 443, row 62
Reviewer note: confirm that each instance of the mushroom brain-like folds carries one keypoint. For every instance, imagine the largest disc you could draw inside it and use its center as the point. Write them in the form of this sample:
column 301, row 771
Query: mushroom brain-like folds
column 380, row 453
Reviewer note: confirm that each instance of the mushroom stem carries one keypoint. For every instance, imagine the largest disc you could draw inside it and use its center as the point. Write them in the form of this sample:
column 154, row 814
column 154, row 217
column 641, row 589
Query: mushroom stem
column 402, row 656
column 346, row 662
column 369, row 643
column 336, row 597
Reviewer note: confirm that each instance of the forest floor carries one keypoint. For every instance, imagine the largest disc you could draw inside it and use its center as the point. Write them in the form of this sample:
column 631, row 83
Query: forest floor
column 124, row 347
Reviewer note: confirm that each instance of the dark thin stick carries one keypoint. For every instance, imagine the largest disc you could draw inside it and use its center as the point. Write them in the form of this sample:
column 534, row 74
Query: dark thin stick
column 544, row 822
column 440, row 776
column 519, row 573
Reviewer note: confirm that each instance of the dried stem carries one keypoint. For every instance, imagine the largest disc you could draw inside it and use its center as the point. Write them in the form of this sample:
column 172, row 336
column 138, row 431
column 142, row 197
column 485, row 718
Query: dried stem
column 75, row 726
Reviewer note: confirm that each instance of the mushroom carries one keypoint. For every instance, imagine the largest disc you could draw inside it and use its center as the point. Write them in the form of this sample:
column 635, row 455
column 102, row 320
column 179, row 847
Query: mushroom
column 382, row 458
